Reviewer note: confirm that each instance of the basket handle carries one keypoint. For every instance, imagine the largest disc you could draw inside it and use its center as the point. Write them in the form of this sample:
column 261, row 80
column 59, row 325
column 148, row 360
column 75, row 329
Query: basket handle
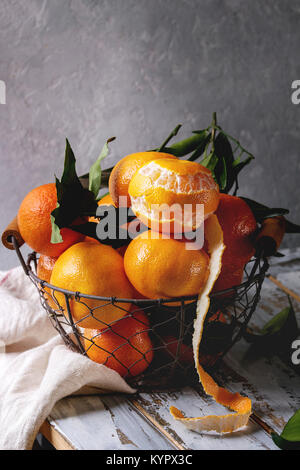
column 270, row 236
column 12, row 230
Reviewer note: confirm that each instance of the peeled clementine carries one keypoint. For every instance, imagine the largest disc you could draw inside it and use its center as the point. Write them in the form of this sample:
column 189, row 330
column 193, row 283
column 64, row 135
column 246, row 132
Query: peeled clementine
column 164, row 268
column 125, row 347
column 124, row 170
column 173, row 195
column 35, row 224
column 92, row 269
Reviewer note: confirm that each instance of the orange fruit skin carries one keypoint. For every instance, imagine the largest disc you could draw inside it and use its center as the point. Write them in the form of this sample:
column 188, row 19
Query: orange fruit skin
column 35, row 224
column 127, row 339
column 172, row 183
column 239, row 228
column 92, row 269
column 164, row 268
column 124, row 170
column 44, row 270
column 45, row 267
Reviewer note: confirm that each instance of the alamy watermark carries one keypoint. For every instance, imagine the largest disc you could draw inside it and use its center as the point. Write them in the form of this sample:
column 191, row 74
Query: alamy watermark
column 179, row 222
column 295, row 96
column 296, row 354
column 2, row 92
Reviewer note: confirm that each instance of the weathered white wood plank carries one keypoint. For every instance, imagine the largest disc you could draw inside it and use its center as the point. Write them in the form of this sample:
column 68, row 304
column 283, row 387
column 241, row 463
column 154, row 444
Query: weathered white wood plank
column 288, row 263
column 104, row 423
column 196, row 403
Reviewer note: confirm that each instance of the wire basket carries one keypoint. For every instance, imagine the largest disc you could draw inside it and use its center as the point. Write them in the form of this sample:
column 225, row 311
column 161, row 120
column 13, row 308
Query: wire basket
column 169, row 326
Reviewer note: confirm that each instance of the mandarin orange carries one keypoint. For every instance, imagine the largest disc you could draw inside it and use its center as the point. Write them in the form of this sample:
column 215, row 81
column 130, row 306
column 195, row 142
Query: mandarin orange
column 239, row 228
column 125, row 347
column 168, row 195
column 35, row 224
column 92, row 269
column 164, row 268
column 124, row 170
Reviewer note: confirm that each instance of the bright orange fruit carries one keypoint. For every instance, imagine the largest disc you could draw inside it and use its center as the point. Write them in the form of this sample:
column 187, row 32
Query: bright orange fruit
column 92, row 269
column 239, row 229
column 124, row 170
column 35, row 224
column 177, row 185
column 125, row 347
column 164, row 268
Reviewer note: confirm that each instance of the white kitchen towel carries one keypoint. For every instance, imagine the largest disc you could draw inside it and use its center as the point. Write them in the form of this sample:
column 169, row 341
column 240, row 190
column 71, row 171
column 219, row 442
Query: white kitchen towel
column 36, row 368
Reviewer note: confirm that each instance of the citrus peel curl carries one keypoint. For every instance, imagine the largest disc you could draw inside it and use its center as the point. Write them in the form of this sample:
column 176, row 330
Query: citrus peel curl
column 234, row 401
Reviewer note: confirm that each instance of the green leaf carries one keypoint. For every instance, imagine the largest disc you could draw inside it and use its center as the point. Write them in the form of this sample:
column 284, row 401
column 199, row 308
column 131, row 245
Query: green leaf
column 224, row 171
column 69, row 176
column 278, row 333
column 73, row 200
column 284, row 444
column 55, row 234
column 276, row 323
column 289, row 439
column 202, row 145
column 291, row 431
column 210, row 161
column 95, row 171
column 290, row 227
column 262, row 212
column 186, row 146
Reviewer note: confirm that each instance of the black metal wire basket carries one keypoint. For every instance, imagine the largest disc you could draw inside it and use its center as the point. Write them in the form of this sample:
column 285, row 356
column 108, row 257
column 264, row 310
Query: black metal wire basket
column 169, row 325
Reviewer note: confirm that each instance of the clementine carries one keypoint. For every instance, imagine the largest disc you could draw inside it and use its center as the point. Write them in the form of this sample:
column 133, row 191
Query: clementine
column 124, row 347
column 164, row 268
column 35, row 224
column 168, row 195
column 124, row 170
column 93, row 269
column 239, row 228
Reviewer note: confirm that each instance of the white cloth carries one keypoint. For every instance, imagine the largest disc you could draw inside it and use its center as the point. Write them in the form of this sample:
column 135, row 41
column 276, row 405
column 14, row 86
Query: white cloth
column 36, row 368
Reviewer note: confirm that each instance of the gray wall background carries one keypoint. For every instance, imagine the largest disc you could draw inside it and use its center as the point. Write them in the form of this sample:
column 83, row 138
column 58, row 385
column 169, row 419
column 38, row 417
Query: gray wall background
column 90, row 69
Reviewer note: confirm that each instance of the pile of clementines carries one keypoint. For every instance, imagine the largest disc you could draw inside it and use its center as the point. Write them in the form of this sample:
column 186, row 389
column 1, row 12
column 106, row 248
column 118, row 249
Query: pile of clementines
column 151, row 266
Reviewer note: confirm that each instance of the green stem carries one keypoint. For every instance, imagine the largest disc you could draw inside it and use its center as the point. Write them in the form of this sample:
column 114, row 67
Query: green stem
column 213, row 131
column 173, row 133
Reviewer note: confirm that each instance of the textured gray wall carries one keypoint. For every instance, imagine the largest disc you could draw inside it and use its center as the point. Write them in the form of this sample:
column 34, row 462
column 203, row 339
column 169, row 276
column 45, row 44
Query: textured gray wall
column 91, row 69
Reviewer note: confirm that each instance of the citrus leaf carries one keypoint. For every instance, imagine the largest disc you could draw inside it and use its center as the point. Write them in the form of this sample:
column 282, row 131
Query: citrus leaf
column 210, row 161
column 277, row 323
column 72, row 199
column 69, row 176
column 206, row 136
column 291, row 431
column 55, row 234
column 290, row 227
column 289, row 439
column 95, row 170
column 261, row 212
column 278, row 333
column 186, row 146
column 283, row 444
